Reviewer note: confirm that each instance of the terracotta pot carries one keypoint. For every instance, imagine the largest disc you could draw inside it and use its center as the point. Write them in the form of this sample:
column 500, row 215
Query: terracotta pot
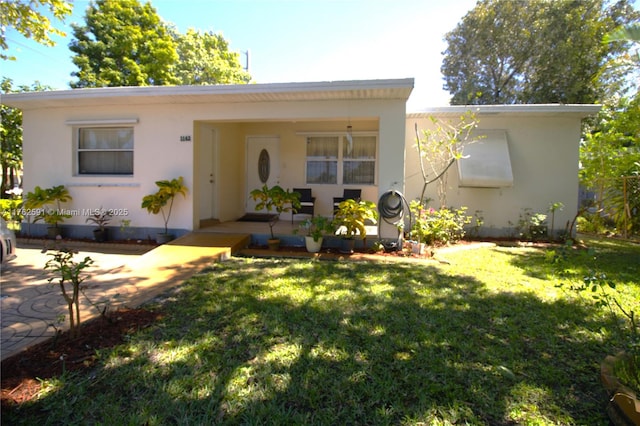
column 273, row 244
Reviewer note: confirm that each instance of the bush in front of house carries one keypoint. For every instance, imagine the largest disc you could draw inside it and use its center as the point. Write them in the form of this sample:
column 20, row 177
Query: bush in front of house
column 437, row 227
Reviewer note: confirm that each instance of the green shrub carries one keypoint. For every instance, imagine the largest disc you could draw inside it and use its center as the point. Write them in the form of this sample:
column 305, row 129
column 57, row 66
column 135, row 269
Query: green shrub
column 434, row 227
column 594, row 223
column 531, row 226
column 11, row 211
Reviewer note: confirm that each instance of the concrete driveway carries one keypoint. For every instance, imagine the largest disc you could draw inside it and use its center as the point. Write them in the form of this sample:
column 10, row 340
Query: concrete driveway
column 32, row 309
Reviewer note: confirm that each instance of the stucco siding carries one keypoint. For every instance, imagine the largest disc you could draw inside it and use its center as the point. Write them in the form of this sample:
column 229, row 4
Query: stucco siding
column 544, row 160
column 203, row 134
column 49, row 160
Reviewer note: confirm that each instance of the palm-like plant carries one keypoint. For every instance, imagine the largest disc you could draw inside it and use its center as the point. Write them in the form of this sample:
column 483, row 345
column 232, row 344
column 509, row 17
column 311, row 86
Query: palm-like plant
column 352, row 216
column 275, row 198
column 40, row 198
column 167, row 191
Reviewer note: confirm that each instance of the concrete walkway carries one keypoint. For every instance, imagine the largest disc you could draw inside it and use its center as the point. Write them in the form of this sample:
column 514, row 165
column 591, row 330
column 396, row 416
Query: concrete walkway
column 126, row 276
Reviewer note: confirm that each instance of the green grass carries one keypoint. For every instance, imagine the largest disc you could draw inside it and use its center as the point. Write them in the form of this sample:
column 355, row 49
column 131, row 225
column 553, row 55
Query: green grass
column 486, row 339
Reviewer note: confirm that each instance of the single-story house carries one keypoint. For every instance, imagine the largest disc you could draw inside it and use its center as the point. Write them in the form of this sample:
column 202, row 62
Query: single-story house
column 108, row 146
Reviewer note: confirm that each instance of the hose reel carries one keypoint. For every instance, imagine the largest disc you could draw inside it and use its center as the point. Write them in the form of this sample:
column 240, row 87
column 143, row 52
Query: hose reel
column 393, row 207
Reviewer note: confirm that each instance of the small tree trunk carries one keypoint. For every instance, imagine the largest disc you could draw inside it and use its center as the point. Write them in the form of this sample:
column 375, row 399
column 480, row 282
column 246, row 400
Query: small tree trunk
column 72, row 324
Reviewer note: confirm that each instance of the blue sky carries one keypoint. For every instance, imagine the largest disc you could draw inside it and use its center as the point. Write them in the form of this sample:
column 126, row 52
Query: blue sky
column 292, row 40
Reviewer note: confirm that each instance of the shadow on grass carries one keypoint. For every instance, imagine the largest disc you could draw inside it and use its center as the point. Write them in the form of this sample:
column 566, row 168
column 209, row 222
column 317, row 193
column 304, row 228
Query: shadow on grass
column 275, row 342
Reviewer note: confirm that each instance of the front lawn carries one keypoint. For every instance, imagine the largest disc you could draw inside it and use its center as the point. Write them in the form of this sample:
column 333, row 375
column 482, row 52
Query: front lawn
column 488, row 338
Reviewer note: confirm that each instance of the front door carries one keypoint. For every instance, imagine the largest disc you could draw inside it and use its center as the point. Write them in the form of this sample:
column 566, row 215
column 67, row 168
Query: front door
column 263, row 162
column 208, row 178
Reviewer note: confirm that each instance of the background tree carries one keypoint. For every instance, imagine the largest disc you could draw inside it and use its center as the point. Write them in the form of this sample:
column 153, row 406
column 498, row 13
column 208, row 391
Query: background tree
column 204, row 58
column 610, row 151
column 11, row 137
column 10, row 142
column 123, row 43
column 625, row 67
column 27, row 20
column 485, row 58
column 506, row 51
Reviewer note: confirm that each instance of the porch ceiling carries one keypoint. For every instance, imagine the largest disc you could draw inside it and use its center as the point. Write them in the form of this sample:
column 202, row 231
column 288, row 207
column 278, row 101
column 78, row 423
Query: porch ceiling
column 399, row 89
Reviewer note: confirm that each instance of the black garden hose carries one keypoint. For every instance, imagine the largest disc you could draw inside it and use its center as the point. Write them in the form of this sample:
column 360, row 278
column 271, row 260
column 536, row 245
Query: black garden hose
column 393, row 206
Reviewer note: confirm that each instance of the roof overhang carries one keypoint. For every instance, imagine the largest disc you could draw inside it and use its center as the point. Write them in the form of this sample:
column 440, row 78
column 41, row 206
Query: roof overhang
column 577, row 110
column 392, row 89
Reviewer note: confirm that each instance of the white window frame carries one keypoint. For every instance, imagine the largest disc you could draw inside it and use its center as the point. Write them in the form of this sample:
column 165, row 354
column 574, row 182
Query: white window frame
column 77, row 150
column 342, row 139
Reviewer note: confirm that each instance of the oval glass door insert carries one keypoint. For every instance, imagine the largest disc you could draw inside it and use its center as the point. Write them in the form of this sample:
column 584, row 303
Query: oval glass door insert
column 264, row 166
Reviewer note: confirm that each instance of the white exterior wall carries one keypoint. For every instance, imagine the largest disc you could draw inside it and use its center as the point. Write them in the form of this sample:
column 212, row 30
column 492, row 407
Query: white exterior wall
column 49, row 161
column 544, row 151
column 543, row 143
column 159, row 153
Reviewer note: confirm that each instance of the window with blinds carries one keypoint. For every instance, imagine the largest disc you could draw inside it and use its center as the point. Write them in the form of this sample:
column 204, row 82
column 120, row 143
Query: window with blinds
column 105, row 151
column 341, row 160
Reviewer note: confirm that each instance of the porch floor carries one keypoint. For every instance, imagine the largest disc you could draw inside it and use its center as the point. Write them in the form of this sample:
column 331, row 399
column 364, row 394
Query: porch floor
column 282, row 228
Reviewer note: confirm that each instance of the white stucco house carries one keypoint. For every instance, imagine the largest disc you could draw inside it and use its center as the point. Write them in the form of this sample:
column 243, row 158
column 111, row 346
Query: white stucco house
column 109, row 145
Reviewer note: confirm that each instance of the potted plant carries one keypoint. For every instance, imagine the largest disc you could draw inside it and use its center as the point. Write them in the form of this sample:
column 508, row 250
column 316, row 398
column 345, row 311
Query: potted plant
column 100, row 218
column 315, row 229
column 278, row 199
column 155, row 203
column 350, row 220
column 41, row 199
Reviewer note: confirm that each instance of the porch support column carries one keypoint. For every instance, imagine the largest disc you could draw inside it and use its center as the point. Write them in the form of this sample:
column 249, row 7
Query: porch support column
column 391, row 168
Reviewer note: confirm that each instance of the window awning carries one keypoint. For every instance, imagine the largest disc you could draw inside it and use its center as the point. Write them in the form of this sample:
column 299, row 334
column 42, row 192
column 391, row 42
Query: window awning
column 486, row 162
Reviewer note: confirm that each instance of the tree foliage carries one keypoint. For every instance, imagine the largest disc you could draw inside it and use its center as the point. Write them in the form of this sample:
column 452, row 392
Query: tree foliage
column 11, row 137
column 506, row 51
column 629, row 32
column 26, row 19
column 439, row 147
column 123, row 43
column 204, row 58
column 610, row 151
column 126, row 43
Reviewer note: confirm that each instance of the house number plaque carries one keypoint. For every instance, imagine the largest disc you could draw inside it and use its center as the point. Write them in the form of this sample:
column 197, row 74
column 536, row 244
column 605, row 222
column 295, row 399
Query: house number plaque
column 185, row 138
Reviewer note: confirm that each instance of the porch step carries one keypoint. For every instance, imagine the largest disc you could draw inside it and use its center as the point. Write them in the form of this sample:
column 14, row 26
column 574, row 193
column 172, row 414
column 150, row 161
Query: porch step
column 234, row 242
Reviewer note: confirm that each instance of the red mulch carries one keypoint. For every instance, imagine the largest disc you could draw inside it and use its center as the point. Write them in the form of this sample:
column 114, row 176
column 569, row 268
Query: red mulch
column 20, row 373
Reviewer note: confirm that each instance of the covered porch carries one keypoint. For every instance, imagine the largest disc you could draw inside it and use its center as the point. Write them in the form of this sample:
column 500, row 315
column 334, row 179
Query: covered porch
column 327, row 137
column 283, row 229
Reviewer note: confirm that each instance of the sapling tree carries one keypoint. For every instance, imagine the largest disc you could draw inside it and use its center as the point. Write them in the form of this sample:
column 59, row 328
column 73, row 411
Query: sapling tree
column 69, row 275
column 440, row 147
column 553, row 208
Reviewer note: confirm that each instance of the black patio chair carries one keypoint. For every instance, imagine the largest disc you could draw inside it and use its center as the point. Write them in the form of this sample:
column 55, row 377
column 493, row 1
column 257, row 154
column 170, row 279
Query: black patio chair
column 307, row 202
column 348, row 194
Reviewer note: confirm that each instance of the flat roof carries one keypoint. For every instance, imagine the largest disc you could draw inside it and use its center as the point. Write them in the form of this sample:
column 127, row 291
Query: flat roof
column 398, row 89
column 581, row 110
column 386, row 89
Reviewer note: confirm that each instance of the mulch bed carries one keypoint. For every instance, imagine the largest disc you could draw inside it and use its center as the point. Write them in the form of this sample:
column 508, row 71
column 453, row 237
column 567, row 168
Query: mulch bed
column 20, row 373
